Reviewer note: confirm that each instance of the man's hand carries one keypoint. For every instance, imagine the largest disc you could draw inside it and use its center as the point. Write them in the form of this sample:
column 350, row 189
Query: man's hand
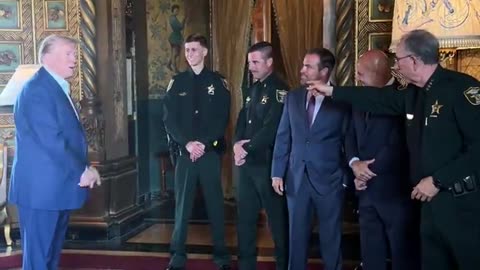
column 277, row 184
column 90, row 177
column 238, row 149
column 320, row 87
column 359, row 184
column 361, row 170
column 196, row 150
column 239, row 153
column 239, row 162
column 425, row 190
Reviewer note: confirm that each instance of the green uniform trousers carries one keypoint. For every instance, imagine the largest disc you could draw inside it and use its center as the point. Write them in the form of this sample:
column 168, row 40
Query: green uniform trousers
column 450, row 231
column 254, row 191
column 205, row 171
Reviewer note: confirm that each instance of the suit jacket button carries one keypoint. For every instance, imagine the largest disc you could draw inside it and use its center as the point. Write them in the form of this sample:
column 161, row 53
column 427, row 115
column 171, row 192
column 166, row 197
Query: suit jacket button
column 249, row 121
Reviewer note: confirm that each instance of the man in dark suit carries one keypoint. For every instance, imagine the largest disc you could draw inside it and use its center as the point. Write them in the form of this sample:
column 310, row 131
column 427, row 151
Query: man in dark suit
column 50, row 169
column 308, row 152
column 377, row 151
column 442, row 109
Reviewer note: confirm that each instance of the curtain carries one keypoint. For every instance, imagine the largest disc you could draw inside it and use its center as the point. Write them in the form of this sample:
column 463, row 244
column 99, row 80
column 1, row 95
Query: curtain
column 300, row 27
column 230, row 31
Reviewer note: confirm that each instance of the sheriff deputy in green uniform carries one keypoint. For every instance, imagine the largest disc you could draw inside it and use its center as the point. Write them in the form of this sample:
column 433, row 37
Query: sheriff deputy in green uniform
column 197, row 106
column 442, row 111
column 254, row 139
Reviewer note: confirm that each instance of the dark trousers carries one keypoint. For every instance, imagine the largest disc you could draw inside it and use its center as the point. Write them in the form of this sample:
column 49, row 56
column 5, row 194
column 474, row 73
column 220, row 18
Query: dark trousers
column 254, row 191
column 392, row 224
column 205, row 171
column 450, row 232
column 43, row 233
column 329, row 210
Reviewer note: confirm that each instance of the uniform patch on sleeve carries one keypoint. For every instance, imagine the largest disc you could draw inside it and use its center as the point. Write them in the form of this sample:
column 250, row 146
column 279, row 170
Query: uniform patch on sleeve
column 170, row 85
column 281, row 94
column 473, row 95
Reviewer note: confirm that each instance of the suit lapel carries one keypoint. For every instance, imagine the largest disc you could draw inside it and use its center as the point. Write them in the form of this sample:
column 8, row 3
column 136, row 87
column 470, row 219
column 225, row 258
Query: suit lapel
column 58, row 91
column 323, row 107
column 302, row 101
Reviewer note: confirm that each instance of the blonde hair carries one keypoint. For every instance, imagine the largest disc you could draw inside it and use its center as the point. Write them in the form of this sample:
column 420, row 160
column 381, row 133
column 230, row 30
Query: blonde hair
column 48, row 42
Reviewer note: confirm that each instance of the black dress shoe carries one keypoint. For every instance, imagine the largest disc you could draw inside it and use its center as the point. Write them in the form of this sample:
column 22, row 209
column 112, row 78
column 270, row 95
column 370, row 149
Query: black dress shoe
column 174, row 268
column 225, row 267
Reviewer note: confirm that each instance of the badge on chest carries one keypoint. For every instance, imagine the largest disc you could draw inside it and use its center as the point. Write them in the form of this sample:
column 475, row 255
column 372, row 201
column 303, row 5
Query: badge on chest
column 211, row 90
column 436, row 109
column 264, row 100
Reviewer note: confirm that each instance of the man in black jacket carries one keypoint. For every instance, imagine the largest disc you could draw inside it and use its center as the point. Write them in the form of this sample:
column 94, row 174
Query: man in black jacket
column 377, row 151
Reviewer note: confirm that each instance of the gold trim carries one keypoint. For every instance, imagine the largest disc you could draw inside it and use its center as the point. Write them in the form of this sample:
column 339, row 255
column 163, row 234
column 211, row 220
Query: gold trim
column 345, row 24
column 34, row 33
column 45, row 16
column 20, row 19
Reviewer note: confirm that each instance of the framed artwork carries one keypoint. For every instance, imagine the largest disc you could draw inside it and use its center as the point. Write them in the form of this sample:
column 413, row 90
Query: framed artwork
column 380, row 41
column 10, row 56
column 169, row 23
column 380, row 10
column 10, row 15
column 55, row 15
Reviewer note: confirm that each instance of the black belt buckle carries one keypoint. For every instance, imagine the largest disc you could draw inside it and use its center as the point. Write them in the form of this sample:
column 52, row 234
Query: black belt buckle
column 465, row 186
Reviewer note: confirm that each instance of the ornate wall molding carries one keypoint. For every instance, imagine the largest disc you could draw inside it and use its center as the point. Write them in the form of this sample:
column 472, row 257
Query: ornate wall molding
column 91, row 108
column 345, row 42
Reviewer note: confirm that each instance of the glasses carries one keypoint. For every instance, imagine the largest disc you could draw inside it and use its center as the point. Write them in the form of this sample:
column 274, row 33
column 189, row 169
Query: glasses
column 397, row 59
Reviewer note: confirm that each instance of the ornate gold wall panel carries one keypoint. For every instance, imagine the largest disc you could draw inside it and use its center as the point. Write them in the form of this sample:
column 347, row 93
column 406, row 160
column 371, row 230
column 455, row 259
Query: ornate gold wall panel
column 36, row 20
column 373, row 25
column 26, row 23
column 469, row 62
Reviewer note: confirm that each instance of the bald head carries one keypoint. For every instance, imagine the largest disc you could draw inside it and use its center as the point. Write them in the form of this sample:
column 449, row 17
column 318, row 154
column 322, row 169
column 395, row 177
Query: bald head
column 373, row 69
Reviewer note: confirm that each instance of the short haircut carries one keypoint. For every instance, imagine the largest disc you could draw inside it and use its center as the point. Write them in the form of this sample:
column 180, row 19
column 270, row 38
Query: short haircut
column 264, row 47
column 197, row 38
column 175, row 7
column 48, row 42
column 423, row 45
column 327, row 60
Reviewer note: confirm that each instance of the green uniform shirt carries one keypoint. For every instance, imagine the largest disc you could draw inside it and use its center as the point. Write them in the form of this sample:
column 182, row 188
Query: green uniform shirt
column 445, row 137
column 197, row 108
column 258, row 120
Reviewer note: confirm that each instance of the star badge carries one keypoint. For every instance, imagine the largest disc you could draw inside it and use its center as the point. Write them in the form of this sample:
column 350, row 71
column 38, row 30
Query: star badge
column 436, row 108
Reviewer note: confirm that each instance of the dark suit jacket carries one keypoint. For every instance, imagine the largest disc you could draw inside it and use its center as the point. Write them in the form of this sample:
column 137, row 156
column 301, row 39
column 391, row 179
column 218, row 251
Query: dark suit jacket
column 381, row 137
column 317, row 149
column 51, row 148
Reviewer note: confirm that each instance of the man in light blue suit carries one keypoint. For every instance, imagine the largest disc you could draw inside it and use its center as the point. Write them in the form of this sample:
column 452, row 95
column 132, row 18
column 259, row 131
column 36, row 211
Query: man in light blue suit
column 309, row 155
column 51, row 171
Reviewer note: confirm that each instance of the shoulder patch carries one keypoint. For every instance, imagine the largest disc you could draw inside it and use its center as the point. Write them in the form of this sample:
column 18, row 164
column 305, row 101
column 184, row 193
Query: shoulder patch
column 170, row 85
column 281, row 94
column 472, row 94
